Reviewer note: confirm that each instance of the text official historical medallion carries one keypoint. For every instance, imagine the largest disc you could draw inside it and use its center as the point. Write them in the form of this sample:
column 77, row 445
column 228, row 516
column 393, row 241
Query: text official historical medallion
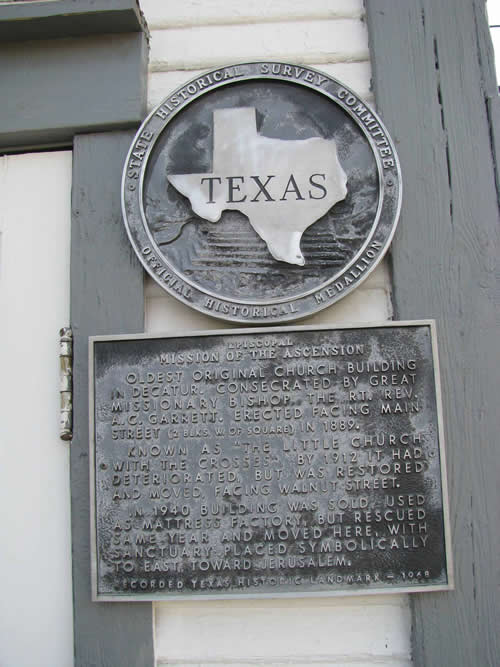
column 261, row 192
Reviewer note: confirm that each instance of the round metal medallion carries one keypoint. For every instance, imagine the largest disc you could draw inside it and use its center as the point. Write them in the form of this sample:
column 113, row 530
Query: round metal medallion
column 261, row 192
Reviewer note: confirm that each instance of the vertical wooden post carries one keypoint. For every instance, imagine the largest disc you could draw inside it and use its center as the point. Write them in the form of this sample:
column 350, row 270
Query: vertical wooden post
column 435, row 89
column 106, row 297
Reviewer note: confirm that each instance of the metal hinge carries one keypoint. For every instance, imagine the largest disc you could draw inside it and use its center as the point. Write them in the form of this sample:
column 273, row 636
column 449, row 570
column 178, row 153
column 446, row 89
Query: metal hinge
column 66, row 391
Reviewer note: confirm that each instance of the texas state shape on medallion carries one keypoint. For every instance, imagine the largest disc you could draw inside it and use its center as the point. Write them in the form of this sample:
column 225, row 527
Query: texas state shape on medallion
column 282, row 186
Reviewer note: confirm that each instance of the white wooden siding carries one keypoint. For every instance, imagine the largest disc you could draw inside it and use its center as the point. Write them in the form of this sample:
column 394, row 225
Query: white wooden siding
column 188, row 37
column 36, row 605
column 302, row 41
column 169, row 14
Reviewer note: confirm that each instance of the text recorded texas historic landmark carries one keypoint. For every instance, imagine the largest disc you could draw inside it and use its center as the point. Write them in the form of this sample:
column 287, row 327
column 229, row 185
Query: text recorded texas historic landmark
column 276, row 461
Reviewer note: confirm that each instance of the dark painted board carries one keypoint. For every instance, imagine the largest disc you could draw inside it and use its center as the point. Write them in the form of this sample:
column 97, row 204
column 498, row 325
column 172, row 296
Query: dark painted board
column 106, row 296
column 433, row 82
column 68, row 18
column 489, row 82
column 52, row 89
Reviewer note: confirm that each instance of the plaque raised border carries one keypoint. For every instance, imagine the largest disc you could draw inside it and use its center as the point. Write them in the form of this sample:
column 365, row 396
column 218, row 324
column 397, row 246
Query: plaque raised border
column 283, row 305
column 371, row 582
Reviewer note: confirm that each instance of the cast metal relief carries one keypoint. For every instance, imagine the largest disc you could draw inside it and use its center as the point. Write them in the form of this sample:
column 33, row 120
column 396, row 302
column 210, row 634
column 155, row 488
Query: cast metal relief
column 271, row 204
column 261, row 192
column 277, row 461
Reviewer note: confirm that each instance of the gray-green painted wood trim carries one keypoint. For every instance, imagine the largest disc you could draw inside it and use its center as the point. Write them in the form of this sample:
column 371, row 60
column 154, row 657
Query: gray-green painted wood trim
column 489, row 84
column 70, row 67
column 107, row 296
column 68, row 18
column 432, row 73
column 53, row 89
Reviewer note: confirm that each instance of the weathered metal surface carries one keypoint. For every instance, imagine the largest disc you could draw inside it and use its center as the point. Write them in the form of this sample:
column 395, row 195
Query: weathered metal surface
column 66, row 387
column 261, row 192
column 272, row 462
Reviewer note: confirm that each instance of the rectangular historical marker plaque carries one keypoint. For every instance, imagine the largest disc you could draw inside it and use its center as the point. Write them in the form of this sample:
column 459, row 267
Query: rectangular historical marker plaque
column 283, row 461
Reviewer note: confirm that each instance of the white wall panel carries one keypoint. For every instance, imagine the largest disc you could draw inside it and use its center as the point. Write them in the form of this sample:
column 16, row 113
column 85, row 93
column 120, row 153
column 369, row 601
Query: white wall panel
column 36, row 608
column 178, row 13
column 189, row 37
column 291, row 631
column 302, row 41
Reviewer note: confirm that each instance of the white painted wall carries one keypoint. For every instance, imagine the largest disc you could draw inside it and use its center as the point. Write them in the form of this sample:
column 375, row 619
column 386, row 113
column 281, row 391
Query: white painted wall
column 189, row 36
column 36, row 607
